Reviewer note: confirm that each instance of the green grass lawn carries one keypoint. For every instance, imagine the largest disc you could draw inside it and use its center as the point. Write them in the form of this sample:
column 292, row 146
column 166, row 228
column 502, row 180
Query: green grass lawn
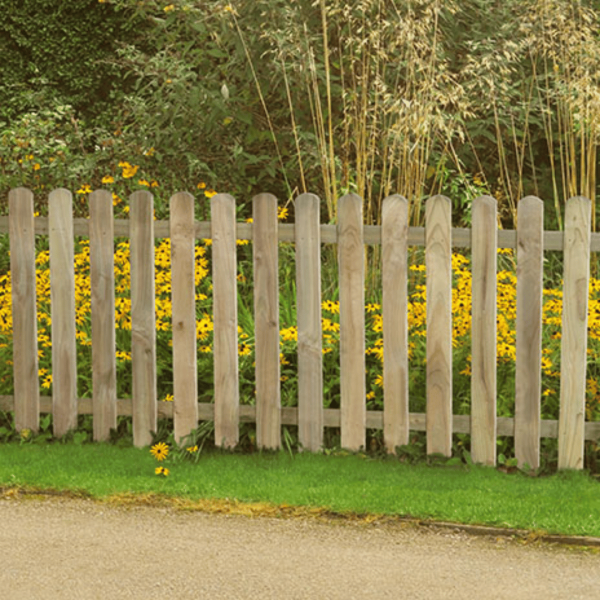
column 565, row 503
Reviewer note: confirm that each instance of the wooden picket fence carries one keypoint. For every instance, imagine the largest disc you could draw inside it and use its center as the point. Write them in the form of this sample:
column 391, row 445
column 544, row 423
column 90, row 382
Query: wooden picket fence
column 394, row 235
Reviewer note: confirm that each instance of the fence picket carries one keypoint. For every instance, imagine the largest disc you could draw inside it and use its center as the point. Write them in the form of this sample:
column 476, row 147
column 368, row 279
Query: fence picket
column 102, row 281
column 143, row 329
column 528, row 375
column 225, row 321
column 438, row 257
column 183, row 300
column 483, row 331
column 310, row 340
column 62, row 290
column 25, row 346
column 571, row 423
column 266, row 319
column 394, row 235
column 352, row 322
column 394, row 240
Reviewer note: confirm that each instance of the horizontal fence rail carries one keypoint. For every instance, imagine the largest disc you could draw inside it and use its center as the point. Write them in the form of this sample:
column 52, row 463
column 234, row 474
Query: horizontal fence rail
column 395, row 237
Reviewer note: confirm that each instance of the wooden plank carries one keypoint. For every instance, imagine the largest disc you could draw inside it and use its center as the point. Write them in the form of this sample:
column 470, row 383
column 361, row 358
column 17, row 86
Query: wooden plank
column 571, row 422
column 183, row 307
column 352, row 322
column 25, row 347
column 528, row 376
column 310, row 335
column 266, row 321
column 225, row 319
column 143, row 330
column 331, row 417
column 62, row 293
column 102, row 281
column 461, row 237
column 483, row 331
column 438, row 259
column 394, row 226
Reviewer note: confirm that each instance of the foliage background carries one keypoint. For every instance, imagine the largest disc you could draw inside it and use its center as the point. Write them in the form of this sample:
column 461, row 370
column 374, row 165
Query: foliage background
column 400, row 96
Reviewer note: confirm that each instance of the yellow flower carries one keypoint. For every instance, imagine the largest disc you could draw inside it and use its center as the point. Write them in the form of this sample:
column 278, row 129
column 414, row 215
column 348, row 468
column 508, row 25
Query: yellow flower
column 36, row 167
column 192, row 449
column 84, row 189
column 129, row 171
column 162, row 471
column 210, row 193
column 144, row 182
column 282, row 213
column 108, row 179
column 290, row 334
column 244, row 349
column 329, row 306
column 201, row 185
column 160, row 451
column 169, row 8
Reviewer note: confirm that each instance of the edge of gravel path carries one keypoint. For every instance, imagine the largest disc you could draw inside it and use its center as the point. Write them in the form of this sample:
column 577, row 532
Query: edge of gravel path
column 284, row 511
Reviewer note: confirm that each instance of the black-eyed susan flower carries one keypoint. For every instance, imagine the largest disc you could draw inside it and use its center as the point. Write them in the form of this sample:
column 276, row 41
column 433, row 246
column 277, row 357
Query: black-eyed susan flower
column 160, row 451
column 162, row 471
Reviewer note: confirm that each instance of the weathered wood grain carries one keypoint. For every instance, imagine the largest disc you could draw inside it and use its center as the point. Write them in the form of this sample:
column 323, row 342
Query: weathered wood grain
column 25, row 346
column 225, row 319
column 266, row 319
column 528, row 376
column 62, row 293
column 310, row 336
column 483, row 331
column 183, row 303
column 102, row 281
column 571, row 422
column 438, row 259
column 352, row 322
column 143, row 322
column 394, row 233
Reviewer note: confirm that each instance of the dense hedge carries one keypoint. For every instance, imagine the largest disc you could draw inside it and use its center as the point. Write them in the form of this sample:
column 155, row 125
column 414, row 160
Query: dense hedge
column 59, row 51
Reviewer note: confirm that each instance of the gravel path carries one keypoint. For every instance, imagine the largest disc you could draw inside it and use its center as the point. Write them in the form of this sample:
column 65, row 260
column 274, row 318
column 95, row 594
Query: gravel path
column 79, row 549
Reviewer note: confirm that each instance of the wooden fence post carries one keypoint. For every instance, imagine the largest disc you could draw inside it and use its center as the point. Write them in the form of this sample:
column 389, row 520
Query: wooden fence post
column 25, row 346
column 528, row 376
column 102, row 280
column 225, row 319
column 310, row 335
column 62, row 290
column 351, row 252
column 438, row 258
column 266, row 321
column 143, row 328
column 571, row 423
column 183, row 300
column 483, row 330
column 394, row 241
